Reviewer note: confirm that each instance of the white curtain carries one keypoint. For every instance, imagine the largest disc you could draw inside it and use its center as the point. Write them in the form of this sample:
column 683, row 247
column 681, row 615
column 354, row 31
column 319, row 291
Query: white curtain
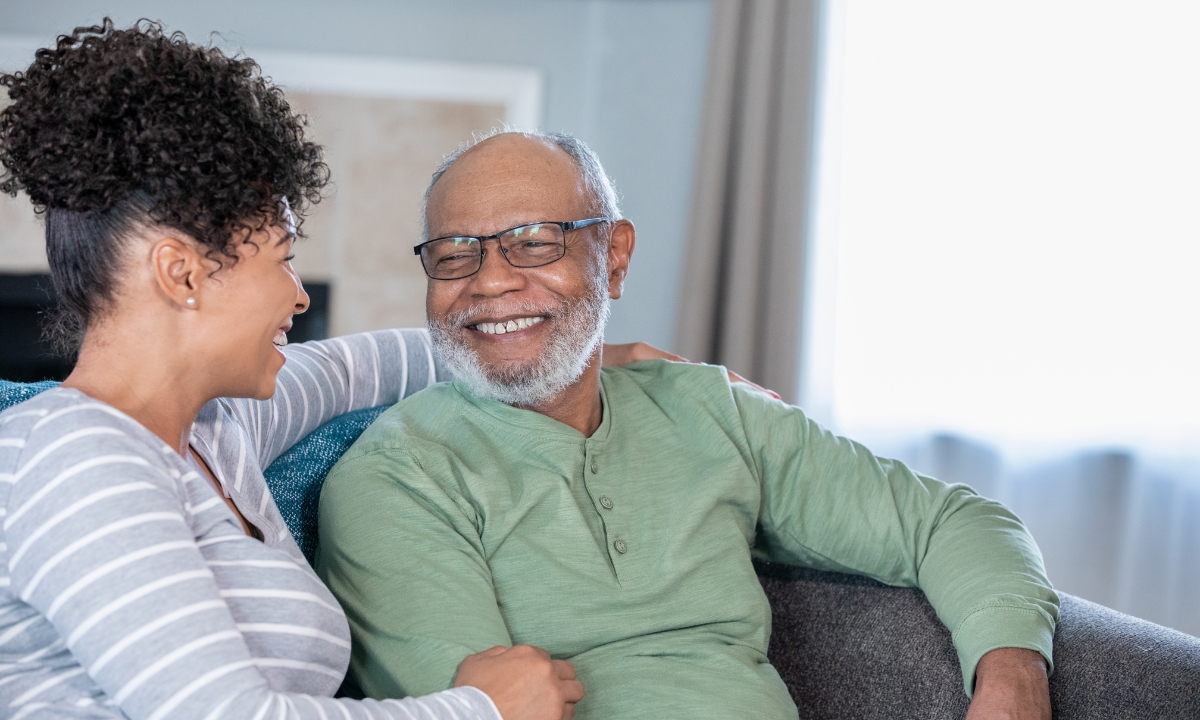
column 1015, row 189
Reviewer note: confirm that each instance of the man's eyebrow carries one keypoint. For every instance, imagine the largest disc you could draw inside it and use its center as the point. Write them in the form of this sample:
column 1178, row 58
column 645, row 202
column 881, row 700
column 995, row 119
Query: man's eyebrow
column 456, row 235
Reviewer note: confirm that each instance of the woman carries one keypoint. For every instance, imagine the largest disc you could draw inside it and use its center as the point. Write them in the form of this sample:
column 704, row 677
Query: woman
column 148, row 573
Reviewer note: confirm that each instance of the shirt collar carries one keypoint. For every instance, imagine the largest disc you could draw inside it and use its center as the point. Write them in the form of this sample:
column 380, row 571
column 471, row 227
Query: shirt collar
column 540, row 425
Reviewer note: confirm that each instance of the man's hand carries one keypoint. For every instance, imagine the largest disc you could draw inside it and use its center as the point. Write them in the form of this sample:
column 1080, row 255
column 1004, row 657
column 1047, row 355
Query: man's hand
column 626, row 353
column 1011, row 684
column 523, row 681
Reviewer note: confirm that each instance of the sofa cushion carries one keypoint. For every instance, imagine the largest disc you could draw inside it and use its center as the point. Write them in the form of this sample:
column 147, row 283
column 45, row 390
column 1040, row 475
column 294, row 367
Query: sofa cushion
column 12, row 393
column 849, row 647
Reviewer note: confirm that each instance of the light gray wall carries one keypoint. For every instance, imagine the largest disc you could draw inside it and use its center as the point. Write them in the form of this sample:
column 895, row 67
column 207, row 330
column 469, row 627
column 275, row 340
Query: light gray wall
column 625, row 75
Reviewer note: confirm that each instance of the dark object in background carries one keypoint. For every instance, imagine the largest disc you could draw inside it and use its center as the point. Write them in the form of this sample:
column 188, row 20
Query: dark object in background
column 313, row 324
column 26, row 357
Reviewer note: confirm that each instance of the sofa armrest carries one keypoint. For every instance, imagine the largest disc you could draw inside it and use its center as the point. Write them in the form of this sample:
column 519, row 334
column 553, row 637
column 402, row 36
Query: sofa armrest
column 1111, row 665
column 849, row 647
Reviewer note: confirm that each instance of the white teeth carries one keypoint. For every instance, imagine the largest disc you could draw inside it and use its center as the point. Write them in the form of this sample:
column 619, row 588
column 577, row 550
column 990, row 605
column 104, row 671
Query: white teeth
column 507, row 327
column 280, row 339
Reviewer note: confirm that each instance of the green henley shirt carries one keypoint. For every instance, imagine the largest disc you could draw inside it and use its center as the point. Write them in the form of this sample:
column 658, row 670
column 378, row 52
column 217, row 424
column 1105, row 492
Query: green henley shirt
column 457, row 523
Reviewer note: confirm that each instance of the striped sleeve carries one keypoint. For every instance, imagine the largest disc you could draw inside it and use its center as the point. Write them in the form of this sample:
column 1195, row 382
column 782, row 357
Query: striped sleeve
column 326, row 378
column 100, row 546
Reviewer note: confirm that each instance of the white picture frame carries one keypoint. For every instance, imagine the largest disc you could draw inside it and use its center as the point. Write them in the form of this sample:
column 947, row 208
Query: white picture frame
column 518, row 88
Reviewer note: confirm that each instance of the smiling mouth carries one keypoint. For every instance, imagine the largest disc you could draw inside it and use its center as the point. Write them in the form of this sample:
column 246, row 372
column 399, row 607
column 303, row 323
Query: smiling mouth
column 500, row 328
column 280, row 339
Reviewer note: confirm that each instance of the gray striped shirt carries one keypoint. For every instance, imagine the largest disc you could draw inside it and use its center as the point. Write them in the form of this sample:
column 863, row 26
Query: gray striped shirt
column 128, row 588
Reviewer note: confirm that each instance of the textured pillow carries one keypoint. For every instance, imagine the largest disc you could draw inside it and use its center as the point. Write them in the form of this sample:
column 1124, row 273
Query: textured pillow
column 296, row 477
column 12, row 393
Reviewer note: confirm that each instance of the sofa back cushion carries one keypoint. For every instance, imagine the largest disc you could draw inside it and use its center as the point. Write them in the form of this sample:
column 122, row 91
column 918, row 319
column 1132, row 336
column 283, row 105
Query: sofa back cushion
column 296, row 477
column 12, row 393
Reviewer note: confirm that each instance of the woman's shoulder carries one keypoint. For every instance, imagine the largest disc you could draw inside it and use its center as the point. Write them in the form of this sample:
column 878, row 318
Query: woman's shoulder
column 31, row 407
column 62, row 428
column 62, row 410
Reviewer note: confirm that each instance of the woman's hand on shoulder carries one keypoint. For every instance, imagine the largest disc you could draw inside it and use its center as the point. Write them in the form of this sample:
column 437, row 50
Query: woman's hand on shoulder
column 523, row 681
column 625, row 353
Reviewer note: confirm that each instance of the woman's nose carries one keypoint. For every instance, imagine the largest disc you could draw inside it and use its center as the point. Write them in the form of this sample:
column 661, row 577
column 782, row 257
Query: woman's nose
column 302, row 300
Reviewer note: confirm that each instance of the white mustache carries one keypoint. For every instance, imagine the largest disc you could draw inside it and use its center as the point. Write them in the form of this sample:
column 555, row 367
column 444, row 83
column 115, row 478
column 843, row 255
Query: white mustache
column 476, row 312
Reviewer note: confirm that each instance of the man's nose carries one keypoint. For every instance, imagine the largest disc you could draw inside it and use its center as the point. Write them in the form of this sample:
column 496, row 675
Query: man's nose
column 496, row 276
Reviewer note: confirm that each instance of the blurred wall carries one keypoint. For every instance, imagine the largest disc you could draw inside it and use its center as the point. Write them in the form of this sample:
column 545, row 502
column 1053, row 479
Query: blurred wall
column 625, row 75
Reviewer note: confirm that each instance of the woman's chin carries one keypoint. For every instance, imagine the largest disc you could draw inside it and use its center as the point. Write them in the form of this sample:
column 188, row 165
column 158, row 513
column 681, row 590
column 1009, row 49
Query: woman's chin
column 265, row 394
column 265, row 389
column 267, row 386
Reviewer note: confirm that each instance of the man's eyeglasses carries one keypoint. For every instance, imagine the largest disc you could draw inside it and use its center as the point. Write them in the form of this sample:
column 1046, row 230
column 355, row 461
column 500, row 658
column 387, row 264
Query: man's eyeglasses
column 525, row 246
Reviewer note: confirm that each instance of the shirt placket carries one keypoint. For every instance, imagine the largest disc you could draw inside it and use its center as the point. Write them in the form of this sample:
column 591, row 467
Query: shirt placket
column 606, row 501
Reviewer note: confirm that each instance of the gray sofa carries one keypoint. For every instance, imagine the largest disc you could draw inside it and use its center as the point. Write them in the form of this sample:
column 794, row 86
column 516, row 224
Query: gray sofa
column 849, row 647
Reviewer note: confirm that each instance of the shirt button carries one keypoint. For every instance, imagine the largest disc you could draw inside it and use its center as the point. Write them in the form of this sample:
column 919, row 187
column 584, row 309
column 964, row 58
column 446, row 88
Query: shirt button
column 606, row 502
column 621, row 546
column 595, row 466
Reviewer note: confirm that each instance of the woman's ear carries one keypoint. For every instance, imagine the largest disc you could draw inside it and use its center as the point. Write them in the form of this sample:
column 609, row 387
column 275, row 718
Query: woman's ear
column 177, row 268
column 620, row 249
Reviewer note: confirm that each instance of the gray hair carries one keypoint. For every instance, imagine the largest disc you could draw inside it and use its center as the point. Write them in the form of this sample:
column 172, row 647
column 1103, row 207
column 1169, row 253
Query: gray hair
column 599, row 186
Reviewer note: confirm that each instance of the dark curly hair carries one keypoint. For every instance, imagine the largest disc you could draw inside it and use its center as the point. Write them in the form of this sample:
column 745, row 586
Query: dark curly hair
column 111, row 130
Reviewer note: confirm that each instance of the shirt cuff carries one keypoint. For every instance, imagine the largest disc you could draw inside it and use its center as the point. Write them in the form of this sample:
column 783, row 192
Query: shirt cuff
column 1002, row 626
column 481, row 704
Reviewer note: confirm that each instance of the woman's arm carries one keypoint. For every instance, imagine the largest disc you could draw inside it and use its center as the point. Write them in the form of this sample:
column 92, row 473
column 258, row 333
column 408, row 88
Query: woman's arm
column 326, row 378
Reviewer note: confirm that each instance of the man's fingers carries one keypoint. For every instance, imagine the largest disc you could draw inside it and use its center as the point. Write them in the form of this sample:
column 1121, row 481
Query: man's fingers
column 572, row 690
column 564, row 670
column 493, row 651
column 535, row 649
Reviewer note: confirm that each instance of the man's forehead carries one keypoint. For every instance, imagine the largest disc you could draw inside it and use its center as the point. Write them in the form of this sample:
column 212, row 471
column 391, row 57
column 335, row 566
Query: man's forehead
column 509, row 179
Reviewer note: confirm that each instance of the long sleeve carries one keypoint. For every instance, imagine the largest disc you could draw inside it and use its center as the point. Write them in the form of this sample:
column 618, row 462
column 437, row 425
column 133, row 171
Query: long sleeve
column 326, row 378
column 129, row 569
column 828, row 503
column 409, row 639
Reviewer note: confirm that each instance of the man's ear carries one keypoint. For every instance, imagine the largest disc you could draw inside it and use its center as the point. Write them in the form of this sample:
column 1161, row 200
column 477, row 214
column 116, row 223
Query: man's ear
column 177, row 268
column 621, row 240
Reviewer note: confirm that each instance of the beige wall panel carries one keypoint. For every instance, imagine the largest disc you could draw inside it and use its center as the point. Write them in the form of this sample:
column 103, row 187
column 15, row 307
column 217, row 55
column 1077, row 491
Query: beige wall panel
column 381, row 152
column 22, row 235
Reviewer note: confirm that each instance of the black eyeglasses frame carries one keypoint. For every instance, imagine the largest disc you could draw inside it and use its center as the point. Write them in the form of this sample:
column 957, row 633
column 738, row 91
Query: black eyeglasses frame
column 566, row 226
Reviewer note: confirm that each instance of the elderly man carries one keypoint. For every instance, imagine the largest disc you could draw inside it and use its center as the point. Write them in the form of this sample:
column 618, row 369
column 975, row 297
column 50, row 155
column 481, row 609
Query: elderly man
column 610, row 515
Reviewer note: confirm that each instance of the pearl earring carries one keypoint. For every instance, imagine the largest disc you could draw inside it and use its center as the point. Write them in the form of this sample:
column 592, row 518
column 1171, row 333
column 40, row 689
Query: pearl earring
column 191, row 302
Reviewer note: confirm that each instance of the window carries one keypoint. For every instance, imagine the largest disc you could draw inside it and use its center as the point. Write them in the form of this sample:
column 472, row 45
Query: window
column 1018, row 221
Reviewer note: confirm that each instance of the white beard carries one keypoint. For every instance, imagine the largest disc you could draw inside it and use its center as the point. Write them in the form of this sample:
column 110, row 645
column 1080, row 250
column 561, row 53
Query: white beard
column 577, row 330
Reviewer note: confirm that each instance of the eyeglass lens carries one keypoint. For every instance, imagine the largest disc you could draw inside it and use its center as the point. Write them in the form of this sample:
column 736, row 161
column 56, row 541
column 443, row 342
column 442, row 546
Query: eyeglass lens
column 526, row 246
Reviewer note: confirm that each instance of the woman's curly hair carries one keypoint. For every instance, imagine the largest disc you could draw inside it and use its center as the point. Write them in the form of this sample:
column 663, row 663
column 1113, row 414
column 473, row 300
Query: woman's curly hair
column 113, row 129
